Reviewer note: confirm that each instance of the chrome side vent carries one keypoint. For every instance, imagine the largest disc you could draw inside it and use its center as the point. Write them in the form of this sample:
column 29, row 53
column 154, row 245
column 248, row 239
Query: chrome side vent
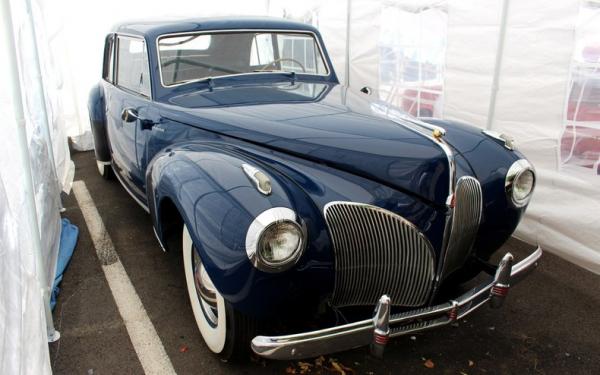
column 378, row 252
column 465, row 223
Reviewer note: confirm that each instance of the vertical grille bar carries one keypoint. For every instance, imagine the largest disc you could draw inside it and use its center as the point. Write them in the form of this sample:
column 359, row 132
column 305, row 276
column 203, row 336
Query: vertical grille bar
column 378, row 252
column 465, row 223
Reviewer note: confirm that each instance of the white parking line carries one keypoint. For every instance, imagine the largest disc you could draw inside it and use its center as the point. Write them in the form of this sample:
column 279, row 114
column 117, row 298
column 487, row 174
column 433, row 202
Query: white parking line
column 144, row 338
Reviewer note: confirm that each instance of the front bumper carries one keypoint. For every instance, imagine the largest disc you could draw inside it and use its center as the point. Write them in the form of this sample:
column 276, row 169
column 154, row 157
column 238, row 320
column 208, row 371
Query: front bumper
column 376, row 331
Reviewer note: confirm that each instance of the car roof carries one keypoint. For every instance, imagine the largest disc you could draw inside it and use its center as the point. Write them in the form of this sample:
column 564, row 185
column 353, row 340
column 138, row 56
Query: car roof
column 152, row 29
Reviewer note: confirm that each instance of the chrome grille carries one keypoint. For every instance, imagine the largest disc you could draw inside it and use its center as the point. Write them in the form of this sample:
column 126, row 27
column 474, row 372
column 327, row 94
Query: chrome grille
column 465, row 223
column 377, row 252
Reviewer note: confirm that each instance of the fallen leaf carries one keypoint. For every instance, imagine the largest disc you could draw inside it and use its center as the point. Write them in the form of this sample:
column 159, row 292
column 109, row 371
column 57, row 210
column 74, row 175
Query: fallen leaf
column 429, row 363
column 337, row 368
column 471, row 363
column 304, row 367
column 183, row 349
column 319, row 361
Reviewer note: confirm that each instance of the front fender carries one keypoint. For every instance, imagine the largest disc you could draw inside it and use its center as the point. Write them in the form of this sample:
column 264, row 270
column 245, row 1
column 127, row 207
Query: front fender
column 218, row 202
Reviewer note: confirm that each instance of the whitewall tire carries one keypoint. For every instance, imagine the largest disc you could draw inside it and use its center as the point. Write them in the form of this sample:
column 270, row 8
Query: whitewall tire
column 211, row 317
column 105, row 169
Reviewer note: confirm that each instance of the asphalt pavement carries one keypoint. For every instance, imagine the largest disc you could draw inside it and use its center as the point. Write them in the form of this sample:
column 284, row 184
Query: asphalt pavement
column 550, row 323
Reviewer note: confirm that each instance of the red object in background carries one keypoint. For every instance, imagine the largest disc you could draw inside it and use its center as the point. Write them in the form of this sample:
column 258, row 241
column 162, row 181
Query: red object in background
column 591, row 53
column 587, row 93
column 580, row 143
column 423, row 101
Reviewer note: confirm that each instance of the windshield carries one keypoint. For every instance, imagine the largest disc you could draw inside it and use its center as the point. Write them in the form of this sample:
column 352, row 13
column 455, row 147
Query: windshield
column 192, row 57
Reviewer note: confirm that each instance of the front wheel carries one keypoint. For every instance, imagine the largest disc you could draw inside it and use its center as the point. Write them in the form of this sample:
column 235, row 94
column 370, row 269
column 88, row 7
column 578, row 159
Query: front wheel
column 225, row 331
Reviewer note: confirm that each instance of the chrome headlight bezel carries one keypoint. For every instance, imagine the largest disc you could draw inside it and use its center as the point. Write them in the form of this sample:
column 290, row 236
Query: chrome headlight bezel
column 516, row 170
column 267, row 219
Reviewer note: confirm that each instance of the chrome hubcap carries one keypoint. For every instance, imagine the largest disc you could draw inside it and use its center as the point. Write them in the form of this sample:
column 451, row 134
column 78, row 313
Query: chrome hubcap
column 205, row 290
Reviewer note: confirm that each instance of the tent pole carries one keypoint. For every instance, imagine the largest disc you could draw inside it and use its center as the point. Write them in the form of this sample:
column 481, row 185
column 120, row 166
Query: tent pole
column 498, row 65
column 28, row 188
column 348, row 20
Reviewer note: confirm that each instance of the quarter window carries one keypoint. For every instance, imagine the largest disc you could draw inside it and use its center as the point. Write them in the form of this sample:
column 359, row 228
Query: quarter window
column 133, row 72
column 109, row 57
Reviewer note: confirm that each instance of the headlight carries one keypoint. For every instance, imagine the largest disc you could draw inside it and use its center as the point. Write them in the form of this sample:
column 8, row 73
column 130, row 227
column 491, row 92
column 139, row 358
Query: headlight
column 520, row 181
column 275, row 240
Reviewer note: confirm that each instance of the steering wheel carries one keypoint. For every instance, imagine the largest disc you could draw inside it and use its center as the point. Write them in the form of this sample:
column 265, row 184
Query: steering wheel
column 272, row 63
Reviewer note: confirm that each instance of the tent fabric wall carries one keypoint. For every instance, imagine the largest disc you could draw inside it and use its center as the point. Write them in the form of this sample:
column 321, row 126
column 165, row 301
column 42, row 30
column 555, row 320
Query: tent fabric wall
column 530, row 105
column 28, row 257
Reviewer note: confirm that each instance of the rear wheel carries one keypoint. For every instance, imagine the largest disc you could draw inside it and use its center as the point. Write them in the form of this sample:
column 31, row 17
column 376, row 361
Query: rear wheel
column 105, row 169
column 225, row 331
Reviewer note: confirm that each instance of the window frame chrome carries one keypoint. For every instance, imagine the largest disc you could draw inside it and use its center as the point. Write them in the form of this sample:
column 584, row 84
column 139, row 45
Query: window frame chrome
column 116, row 62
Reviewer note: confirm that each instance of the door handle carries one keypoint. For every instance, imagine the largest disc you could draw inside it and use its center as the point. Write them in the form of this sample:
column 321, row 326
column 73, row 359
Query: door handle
column 129, row 115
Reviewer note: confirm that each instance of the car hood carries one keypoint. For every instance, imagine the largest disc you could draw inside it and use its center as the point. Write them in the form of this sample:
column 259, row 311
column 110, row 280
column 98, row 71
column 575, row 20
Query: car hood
column 323, row 123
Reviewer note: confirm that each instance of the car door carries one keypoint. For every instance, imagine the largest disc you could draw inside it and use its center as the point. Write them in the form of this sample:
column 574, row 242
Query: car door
column 128, row 101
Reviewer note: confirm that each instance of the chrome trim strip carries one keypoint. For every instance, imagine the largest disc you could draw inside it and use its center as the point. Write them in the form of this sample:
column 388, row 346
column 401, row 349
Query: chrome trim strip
column 466, row 218
column 321, row 51
column 367, row 240
column 158, row 239
column 145, row 207
column 356, row 334
column 420, row 127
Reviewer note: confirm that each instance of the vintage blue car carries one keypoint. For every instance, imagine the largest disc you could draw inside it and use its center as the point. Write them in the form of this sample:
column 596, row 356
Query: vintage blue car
column 295, row 199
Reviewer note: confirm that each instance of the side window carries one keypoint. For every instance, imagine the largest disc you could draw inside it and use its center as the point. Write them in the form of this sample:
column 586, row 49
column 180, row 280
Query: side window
column 133, row 72
column 109, row 58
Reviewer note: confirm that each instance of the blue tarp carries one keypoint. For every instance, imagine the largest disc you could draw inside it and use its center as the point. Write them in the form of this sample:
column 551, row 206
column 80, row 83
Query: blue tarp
column 68, row 239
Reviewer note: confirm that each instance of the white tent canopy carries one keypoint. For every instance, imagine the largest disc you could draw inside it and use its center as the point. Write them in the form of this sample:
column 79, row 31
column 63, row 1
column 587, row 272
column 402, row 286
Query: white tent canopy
column 527, row 68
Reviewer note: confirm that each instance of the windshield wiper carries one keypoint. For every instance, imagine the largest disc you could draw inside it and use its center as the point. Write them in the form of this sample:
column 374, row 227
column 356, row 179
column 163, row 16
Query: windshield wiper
column 208, row 80
column 291, row 74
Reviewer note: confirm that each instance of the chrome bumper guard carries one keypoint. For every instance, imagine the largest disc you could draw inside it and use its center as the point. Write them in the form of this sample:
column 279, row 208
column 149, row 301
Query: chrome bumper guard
column 378, row 330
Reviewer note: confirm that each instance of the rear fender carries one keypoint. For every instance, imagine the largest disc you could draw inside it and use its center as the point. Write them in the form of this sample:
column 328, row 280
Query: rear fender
column 96, row 109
